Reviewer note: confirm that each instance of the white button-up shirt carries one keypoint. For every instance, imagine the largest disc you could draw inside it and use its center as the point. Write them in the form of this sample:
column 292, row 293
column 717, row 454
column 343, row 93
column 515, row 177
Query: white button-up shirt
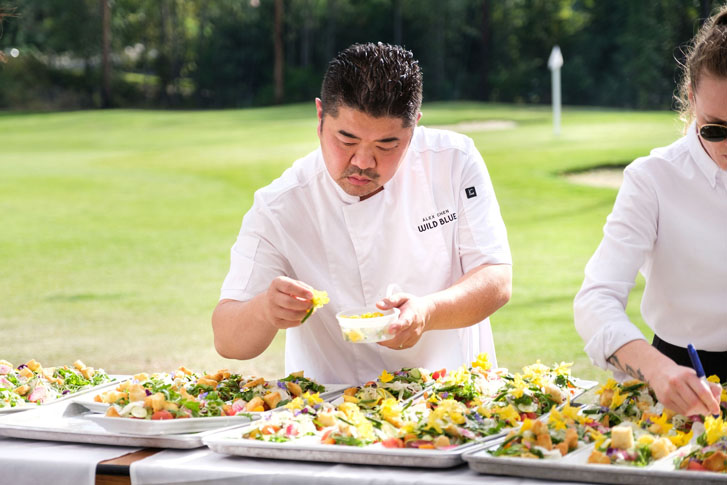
column 670, row 222
column 436, row 219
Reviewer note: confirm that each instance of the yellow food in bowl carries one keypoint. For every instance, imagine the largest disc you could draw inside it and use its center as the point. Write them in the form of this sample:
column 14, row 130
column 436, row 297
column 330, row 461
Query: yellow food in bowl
column 365, row 315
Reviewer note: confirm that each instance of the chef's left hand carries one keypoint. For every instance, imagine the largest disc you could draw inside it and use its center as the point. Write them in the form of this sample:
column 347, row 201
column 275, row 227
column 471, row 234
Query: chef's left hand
column 412, row 321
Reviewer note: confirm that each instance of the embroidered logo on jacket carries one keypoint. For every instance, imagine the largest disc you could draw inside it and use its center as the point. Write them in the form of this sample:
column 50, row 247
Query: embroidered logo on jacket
column 470, row 192
column 435, row 220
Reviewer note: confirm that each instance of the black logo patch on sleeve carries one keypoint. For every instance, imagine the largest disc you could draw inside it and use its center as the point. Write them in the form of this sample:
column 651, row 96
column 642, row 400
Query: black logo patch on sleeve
column 470, row 192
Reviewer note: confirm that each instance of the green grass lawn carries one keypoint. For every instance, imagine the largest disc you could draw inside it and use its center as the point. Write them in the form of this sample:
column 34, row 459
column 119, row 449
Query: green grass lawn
column 116, row 226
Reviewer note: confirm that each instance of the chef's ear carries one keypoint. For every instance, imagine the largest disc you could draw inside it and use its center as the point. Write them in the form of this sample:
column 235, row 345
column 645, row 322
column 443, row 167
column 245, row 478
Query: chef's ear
column 319, row 113
column 419, row 116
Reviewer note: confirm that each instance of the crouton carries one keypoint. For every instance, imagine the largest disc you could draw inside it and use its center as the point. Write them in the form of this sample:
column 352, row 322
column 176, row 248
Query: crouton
column 562, row 447
column 598, row 457
column 622, row 437
column 661, row 447
column 606, row 397
column 554, row 393
column 256, row 404
column 155, row 401
column 294, row 388
column 272, row 399
column 571, row 439
column 111, row 412
column 543, row 439
column 253, row 383
column 716, row 462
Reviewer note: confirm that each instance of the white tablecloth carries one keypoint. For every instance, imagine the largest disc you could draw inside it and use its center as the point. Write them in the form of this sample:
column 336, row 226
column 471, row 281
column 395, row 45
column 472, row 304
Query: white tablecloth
column 40, row 462
column 205, row 466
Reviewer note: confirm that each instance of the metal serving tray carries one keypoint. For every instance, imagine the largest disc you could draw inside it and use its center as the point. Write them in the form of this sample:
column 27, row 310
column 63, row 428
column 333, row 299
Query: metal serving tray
column 574, row 468
column 332, row 392
column 66, row 421
column 115, row 380
column 230, row 442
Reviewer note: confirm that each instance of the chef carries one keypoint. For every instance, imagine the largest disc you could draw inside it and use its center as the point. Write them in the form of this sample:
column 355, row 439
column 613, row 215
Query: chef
column 381, row 202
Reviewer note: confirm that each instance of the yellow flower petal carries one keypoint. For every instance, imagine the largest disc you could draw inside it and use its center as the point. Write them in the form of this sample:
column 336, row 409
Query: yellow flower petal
column 483, row 362
column 386, row 377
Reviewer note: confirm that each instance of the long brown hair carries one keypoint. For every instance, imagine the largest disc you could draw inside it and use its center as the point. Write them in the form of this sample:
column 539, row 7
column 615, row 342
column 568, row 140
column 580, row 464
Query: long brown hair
column 707, row 54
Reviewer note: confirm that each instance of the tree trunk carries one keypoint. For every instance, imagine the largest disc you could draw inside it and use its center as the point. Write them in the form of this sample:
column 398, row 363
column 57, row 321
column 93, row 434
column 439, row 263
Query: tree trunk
column 330, row 35
column 306, row 34
column 398, row 30
column 485, row 58
column 278, row 74
column 106, row 54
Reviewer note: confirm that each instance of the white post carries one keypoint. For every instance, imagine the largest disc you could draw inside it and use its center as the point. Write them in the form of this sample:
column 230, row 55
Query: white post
column 555, row 62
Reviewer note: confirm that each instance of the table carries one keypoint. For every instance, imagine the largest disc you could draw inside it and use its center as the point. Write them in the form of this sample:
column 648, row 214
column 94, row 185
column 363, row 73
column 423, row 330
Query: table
column 116, row 470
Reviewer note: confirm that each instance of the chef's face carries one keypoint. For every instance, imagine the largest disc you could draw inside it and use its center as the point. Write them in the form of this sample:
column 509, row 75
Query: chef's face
column 710, row 107
column 362, row 152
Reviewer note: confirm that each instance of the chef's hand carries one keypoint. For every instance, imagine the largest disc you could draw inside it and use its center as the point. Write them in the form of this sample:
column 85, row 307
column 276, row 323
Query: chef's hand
column 286, row 302
column 412, row 321
column 679, row 389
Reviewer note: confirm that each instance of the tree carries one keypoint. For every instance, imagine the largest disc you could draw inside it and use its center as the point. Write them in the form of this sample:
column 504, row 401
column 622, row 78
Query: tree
column 278, row 70
column 106, row 54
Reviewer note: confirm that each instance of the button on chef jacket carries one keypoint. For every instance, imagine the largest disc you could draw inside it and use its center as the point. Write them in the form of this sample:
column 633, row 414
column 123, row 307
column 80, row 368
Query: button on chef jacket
column 436, row 219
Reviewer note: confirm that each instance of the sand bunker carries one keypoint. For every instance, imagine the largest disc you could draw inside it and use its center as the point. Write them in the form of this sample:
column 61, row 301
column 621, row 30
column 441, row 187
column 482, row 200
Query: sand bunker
column 600, row 177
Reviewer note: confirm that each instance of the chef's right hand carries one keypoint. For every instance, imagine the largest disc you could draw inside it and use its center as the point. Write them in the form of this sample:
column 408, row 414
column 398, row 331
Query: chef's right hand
column 286, row 302
column 679, row 389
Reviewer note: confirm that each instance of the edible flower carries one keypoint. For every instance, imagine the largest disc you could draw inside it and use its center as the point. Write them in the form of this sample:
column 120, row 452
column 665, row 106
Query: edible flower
column 660, row 424
column 617, row 399
column 460, row 376
column 610, row 384
column 319, row 299
column 386, row 377
column 483, row 362
column 296, row 403
column 681, row 438
column 535, row 370
column 390, row 410
column 508, row 414
column 519, row 386
column 556, row 419
column 562, row 369
column 312, row 399
column 714, row 429
column 449, row 411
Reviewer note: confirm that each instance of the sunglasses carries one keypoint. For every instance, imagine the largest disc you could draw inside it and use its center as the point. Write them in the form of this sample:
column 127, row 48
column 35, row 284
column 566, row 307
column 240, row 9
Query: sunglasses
column 713, row 132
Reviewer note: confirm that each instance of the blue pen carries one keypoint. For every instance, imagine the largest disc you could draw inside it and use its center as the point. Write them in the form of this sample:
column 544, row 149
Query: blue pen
column 697, row 365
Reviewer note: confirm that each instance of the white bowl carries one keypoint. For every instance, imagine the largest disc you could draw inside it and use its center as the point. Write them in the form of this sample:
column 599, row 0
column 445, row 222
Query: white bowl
column 366, row 330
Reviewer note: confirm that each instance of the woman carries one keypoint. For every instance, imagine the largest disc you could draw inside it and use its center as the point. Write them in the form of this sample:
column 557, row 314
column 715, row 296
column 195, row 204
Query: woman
column 670, row 221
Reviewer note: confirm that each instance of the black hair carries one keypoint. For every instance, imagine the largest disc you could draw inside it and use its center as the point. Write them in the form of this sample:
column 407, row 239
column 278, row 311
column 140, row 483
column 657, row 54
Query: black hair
column 377, row 79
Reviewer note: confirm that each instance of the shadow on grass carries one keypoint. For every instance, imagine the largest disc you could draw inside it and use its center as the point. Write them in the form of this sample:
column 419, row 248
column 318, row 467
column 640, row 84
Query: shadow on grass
column 603, row 166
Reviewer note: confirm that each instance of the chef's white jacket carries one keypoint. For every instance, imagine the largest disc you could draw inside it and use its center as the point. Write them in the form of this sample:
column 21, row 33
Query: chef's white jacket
column 670, row 222
column 436, row 219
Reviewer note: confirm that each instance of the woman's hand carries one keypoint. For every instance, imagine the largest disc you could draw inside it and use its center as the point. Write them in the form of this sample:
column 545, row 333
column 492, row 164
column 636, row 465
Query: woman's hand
column 412, row 321
column 679, row 389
